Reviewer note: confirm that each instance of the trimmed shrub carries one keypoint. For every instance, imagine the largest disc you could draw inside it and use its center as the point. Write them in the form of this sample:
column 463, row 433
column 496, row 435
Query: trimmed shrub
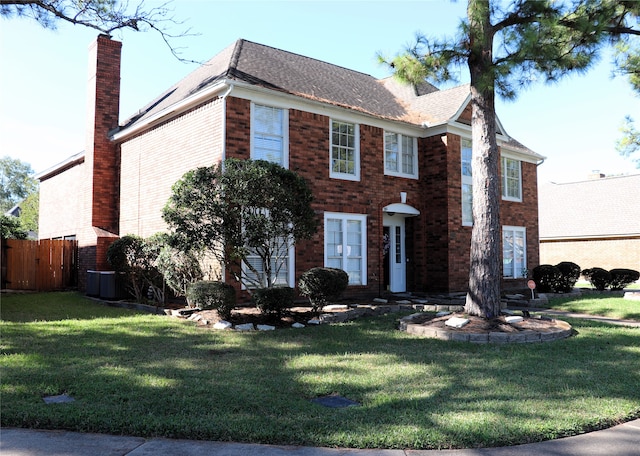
column 179, row 269
column 547, row 278
column 273, row 300
column 570, row 275
column 620, row 278
column 209, row 294
column 598, row 277
column 321, row 285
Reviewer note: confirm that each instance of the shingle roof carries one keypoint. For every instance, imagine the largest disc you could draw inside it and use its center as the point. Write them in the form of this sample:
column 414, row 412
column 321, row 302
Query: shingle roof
column 316, row 80
column 603, row 207
column 287, row 72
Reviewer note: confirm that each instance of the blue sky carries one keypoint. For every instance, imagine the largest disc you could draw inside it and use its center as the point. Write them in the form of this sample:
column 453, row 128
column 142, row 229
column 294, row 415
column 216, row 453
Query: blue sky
column 573, row 123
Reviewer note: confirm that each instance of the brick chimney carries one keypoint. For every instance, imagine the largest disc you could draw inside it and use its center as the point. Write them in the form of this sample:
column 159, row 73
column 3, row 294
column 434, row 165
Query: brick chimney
column 103, row 110
column 101, row 175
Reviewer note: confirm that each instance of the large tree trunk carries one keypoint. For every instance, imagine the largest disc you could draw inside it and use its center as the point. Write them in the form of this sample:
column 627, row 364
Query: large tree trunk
column 483, row 298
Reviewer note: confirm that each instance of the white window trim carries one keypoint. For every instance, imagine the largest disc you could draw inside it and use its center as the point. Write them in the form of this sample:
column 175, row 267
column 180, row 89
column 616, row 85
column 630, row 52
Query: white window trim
column 345, row 216
column 285, row 132
column 465, row 180
column 399, row 173
column 515, row 229
column 503, row 160
column 345, row 176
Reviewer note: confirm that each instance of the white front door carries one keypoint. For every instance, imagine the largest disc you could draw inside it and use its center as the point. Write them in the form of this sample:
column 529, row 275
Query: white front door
column 397, row 254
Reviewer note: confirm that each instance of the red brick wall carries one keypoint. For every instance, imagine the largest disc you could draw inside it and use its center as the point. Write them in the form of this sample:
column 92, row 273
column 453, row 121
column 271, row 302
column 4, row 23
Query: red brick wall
column 525, row 214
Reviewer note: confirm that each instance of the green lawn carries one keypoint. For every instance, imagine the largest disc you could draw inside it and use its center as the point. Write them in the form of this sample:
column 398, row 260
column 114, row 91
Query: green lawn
column 150, row 375
column 595, row 304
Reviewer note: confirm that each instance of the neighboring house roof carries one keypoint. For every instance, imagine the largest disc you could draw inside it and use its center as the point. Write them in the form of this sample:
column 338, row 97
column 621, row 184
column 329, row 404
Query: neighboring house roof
column 14, row 211
column 599, row 208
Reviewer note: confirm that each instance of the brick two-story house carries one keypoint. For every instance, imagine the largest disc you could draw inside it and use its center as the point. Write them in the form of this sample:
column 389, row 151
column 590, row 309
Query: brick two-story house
column 389, row 165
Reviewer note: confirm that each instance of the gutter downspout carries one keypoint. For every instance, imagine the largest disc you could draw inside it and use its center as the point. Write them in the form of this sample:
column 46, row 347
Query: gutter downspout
column 224, row 151
column 224, row 122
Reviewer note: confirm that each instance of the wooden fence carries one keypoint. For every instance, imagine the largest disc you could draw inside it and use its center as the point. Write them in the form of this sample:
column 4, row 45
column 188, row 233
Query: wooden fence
column 43, row 265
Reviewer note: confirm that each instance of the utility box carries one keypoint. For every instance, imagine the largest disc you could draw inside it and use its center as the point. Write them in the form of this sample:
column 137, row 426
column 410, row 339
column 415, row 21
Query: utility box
column 108, row 285
column 93, row 283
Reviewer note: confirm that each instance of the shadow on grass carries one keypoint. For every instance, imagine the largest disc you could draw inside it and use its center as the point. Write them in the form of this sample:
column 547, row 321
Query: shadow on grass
column 151, row 376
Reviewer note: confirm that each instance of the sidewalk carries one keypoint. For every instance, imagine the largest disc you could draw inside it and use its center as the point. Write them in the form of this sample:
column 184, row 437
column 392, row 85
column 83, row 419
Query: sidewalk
column 621, row 440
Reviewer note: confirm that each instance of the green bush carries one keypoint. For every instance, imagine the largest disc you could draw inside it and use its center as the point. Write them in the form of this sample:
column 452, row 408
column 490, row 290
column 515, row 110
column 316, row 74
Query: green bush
column 547, row 278
column 321, row 285
column 209, row 294
column 598, row 277
column 620, row 278
column 570, row 273
column 273, row 300
column 179, row 269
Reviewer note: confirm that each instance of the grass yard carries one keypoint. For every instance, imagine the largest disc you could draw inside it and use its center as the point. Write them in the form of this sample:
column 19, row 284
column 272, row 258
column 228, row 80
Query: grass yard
column 150, row 375
column 614, row 307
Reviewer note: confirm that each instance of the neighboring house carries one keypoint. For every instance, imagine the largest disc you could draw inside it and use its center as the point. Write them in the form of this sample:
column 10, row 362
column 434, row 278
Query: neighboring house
column 389, row 165
column 593, row 223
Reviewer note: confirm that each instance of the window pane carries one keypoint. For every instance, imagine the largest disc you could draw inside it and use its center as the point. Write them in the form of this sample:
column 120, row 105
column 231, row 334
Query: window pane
column 407, row 155
column 343, row 153
column 466, row 158
column 268, row 134
column 391, row 151
column 467, row 204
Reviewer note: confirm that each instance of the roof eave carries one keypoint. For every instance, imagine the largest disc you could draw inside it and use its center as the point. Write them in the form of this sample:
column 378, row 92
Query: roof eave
column 173, row 110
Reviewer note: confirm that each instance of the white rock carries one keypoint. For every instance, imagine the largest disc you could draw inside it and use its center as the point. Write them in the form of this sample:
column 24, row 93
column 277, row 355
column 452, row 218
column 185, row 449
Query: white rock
column 334, row 307
column 195, row 317
column 443, row 313
column 404, row 301
column 222, row 325
column 513, row 319
column 245, row 327
column 456, row 322
column 266, row 328
column 380, row 300
column 298, row 325
column 313, row 321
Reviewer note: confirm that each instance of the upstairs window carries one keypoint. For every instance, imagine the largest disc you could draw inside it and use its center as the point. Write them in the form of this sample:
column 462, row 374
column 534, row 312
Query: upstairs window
column 269, row 139
column 400, row 155
column 467, row 183
column 345, row 151
column 511, row 179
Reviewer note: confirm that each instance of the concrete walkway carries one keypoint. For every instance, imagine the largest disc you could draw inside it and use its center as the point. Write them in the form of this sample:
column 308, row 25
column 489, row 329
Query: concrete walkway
column 621, row 440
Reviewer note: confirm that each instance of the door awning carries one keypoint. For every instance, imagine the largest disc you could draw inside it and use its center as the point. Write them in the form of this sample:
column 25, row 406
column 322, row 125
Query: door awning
column 401, row 209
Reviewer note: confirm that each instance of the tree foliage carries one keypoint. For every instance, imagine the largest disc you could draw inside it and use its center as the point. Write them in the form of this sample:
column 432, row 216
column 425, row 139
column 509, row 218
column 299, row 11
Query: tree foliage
column 10, row 228
column 238, row 210
column 136, row 258
column 106, row 16
column 16, row 182
column 506, row 46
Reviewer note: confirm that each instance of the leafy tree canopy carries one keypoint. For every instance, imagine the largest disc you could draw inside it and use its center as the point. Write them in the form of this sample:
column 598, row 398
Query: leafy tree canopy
column 16, row 182
column 238, row 209
column 10, row 228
